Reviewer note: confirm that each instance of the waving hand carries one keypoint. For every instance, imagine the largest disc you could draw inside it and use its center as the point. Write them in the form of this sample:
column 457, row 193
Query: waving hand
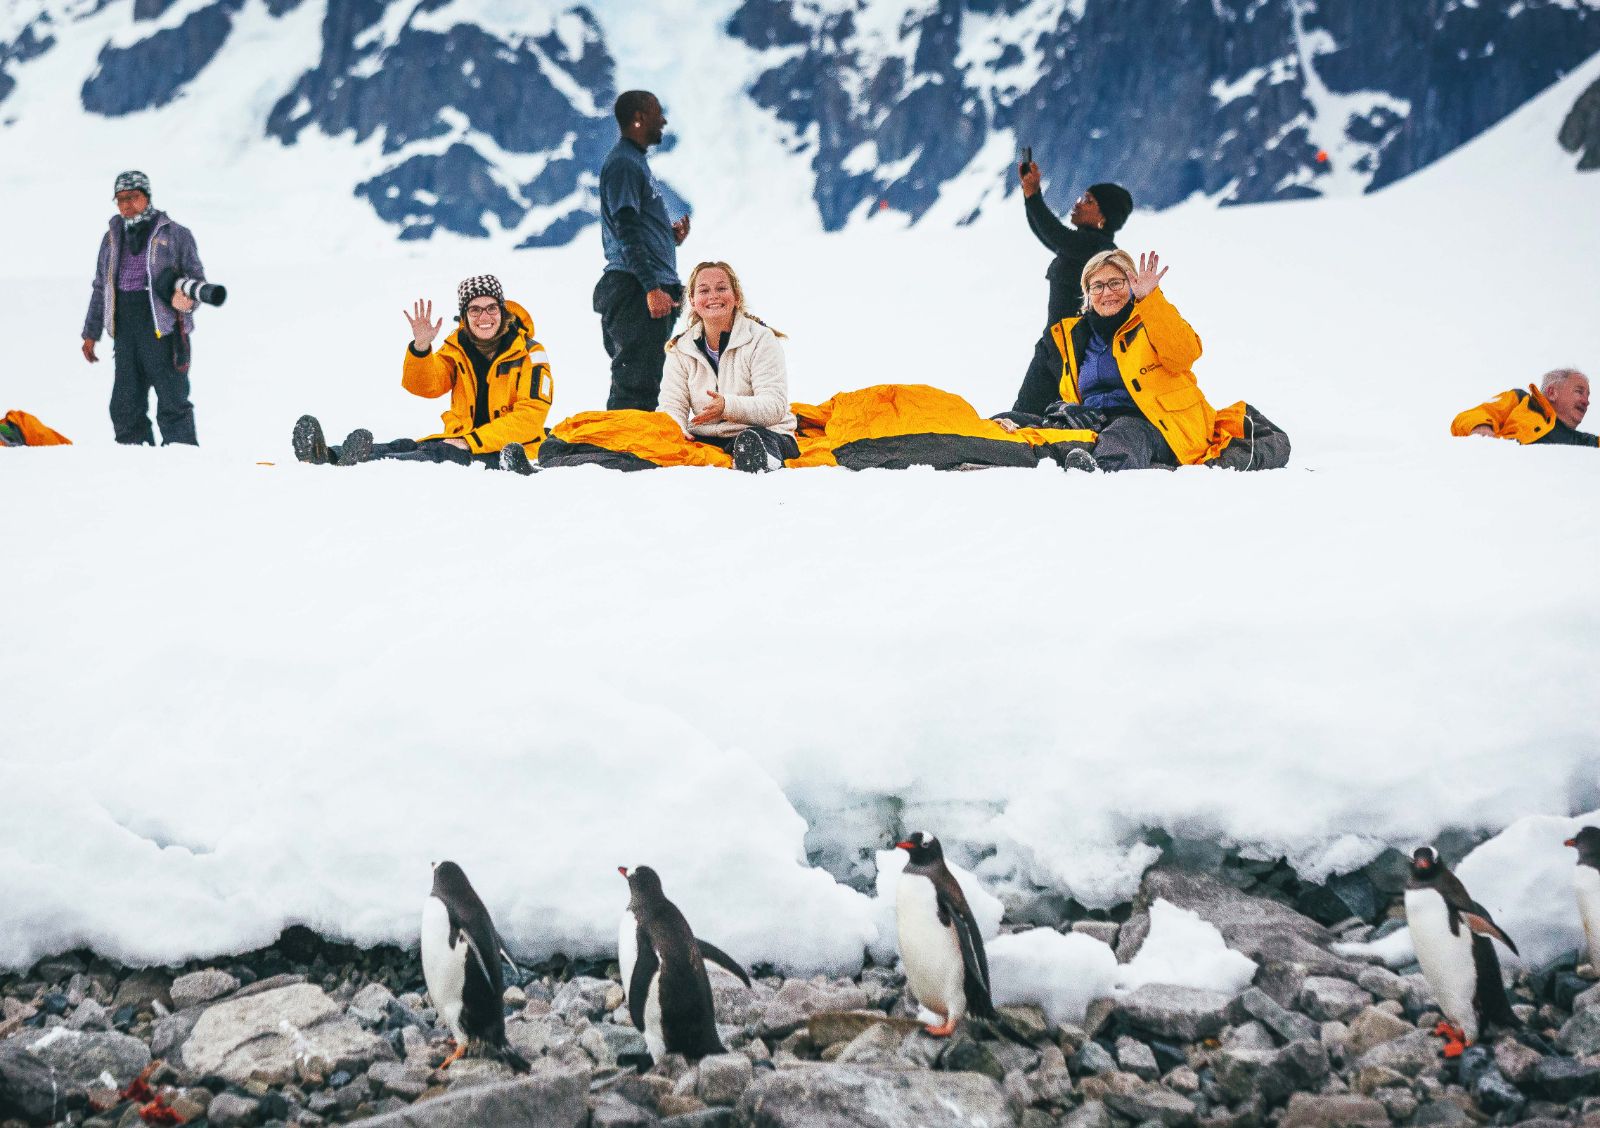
column 1148, row 277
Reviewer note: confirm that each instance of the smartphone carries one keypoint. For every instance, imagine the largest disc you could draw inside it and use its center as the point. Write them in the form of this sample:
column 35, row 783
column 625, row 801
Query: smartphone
column 1027, row 159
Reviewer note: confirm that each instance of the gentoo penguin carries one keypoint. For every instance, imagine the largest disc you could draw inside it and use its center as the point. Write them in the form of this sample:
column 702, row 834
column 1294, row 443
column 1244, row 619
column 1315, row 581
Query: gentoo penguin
column 1586, row 884
column 940, row 945
column 1451, row 934
column 664, row 972
column 461, row 961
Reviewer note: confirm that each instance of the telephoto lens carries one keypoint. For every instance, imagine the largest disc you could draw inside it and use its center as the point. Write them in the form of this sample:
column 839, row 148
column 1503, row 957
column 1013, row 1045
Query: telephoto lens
column 192, row 288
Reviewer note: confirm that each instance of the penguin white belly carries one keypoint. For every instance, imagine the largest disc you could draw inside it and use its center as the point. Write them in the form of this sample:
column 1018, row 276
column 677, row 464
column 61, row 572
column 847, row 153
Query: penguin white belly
column 1586, row 884
column 444, row 968
column 1446, row 959
column 655, row 1038
column 930, row 951
column 627, row 947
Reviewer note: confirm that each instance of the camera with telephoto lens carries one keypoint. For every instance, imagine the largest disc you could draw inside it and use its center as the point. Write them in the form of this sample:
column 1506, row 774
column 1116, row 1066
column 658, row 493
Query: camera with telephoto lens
column 169, row 282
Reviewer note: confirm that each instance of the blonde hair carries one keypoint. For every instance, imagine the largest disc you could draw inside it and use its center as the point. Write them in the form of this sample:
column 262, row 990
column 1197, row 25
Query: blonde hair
column 738, row 299
column 1116, row 257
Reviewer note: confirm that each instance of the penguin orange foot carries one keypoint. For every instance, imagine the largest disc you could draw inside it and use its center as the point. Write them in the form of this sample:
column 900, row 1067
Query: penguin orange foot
column 1455, row 1039
column 455, row 1056
column 943, row 1031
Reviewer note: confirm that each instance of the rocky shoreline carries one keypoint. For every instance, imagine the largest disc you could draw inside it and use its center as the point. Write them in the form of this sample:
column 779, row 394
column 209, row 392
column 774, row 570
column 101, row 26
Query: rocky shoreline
column 308, row 1032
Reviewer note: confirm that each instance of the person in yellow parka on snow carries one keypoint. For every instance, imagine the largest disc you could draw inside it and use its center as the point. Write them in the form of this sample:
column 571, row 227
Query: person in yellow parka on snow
column 497, row 376
column 1548, row 413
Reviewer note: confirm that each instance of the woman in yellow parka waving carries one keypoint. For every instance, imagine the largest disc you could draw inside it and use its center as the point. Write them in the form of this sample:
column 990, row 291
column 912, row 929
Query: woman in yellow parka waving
column 1123, row 370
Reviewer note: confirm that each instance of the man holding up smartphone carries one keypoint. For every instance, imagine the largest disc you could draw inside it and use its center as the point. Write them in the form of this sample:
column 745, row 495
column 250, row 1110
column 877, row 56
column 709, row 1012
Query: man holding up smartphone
column 1096, row 216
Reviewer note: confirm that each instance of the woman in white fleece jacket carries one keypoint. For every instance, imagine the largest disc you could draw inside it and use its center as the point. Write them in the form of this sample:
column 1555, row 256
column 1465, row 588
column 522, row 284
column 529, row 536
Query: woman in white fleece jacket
column 725, row 381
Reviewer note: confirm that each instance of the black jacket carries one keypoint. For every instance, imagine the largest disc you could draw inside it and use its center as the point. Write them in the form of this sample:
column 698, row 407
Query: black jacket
column 1073, row 247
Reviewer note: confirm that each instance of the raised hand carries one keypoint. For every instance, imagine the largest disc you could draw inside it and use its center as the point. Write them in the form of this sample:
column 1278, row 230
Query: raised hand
column 1029, row 175
column 422, row 333
column 680, row 230
column 1148, row 277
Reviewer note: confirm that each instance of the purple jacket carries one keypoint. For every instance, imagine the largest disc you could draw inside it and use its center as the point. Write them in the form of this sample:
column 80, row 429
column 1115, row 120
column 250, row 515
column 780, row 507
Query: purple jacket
column 171, row 244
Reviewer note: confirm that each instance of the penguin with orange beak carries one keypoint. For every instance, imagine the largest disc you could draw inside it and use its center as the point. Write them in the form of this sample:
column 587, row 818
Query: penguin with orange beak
column 1586, row 884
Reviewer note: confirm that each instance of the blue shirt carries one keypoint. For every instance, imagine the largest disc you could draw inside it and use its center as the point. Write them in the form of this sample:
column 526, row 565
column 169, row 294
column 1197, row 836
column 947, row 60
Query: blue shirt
column 634, row 227
column 1100, row 383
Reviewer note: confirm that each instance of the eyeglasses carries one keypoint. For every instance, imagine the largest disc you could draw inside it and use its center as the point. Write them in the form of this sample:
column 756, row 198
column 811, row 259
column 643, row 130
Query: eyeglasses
column 1115, row 286
column 481, row 311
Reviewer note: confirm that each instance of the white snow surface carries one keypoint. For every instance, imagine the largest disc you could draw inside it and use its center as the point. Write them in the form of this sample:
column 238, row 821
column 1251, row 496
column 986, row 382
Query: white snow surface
column 237, row 696
column 1523, row 876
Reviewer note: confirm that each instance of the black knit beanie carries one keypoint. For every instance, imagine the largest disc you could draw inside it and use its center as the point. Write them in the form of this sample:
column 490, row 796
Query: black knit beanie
column 1115, row 203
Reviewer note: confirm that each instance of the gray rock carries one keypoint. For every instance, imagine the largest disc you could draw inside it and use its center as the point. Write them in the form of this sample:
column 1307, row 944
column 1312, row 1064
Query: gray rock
column 879, row 1045
column 1182, row 1080
column 705, row 1118
column 1399, row 1102
column 1104, row 931
column 1090, row 1114
column 228, row 1110
column 1298, row 1067
column 1027, row 1020
column 201, row 987
column 831, row 1027
column 407, row 1081
column 1254, row 1003
column 1564, row 1079
column 269, row 1036
column 1580, row 1036
column 270, row 983
column 1250, row 1035
column 1383, row 983
column 1373, row 1027
column 141, row 988
column 371, row 1004
column 1264, row 930
column 1308, row 1111
column 798, row 999
column 583, row 996
column 1587, row 1000
column 79, row 1058
column 550, row 1098
column 723, row 1078
column 1329, row 999
column 1185, row 1014
column 1137, row 1058
column 965, row 1054
column 1408, row 1055
column 621, row 1040
column 29, row 1088
column 1093, row 1059
column 168, row 1034
column 1515, row 1060
column 1495, row 1094
column 1140, row 1101
column 90, row 1015
column 814, row 1096
column 1436, row 1114
column 612, row 1111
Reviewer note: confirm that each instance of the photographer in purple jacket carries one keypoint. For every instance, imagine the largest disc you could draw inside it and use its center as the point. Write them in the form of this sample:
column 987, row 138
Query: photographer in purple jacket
column 146, row 281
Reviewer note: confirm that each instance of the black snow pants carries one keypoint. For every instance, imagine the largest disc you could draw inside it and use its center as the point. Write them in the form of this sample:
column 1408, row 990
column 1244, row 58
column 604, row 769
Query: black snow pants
column 635, row 341
column 143, row 362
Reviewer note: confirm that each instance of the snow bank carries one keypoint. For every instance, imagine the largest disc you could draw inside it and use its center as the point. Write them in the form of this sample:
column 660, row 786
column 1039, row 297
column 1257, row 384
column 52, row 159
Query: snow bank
column 1185, row 951
column 1523, row 876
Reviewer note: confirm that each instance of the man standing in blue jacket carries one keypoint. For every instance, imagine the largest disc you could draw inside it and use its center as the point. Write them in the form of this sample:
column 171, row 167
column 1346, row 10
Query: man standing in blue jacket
column 640, row 288
column 149, row 330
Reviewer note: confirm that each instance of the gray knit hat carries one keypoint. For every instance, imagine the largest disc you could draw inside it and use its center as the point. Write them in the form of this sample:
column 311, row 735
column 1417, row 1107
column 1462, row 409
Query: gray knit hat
column 478, row 286
column 132, row 181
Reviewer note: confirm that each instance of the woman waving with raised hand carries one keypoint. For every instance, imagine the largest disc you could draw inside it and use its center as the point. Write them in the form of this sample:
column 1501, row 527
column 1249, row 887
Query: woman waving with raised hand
column 725, row 380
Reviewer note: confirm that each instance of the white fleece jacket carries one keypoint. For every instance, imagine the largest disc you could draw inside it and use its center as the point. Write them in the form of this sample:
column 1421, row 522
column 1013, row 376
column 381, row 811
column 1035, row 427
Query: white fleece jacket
column 750, row 376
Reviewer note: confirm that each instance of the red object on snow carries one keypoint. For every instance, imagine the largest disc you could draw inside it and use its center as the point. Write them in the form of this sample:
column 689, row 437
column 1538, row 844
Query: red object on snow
column 1322, row 156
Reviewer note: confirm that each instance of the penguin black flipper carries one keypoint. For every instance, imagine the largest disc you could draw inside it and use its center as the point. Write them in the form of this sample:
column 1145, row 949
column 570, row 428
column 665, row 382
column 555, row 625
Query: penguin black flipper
column 953, row 910
column 1479, row 920
column 645, row 966
column 1464, row 908
column 1491, row 998
column 717, row 956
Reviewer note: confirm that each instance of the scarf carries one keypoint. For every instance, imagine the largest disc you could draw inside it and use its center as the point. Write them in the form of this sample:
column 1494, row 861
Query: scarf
column 136, row 231
column 1105, row 327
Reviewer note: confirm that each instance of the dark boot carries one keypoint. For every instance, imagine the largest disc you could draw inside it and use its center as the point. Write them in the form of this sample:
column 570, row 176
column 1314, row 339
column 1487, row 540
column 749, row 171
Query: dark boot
column 357, row 448
column 514, row 457
column 309, row 445
column 749, row 454
column 1079, row 459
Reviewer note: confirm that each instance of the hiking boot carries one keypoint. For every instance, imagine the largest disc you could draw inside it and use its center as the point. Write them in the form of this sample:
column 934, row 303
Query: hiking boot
column 1079, row 459
column 514, row 457
column 357, row 447
column 749, row 454
column 309, row 445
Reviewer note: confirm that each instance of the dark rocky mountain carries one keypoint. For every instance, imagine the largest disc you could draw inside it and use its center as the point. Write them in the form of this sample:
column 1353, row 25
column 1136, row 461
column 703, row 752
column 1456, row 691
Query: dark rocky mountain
column 1244, row 100
column 498, row 129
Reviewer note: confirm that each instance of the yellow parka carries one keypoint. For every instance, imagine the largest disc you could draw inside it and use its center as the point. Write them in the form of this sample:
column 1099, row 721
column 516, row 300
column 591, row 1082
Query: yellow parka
column 1522, row 415
column 1154, row 350
column 520, row 388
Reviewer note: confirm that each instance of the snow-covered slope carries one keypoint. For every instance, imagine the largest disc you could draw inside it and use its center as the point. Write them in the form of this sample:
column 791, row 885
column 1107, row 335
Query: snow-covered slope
column 238, row 696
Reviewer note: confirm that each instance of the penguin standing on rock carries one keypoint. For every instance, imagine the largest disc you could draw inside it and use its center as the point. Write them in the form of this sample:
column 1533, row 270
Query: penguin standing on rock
column 940, row 945
column 664, row 972
column 461, row 962
column 1451, row 933
column 1586, row 884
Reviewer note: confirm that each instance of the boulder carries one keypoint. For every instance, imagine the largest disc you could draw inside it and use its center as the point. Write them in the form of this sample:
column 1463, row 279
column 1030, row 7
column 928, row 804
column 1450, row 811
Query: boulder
column 830, row 1027
column 1564, row 1079
column 229, row 1110
column 1330, row 999
column 1140, row 1101
column 78, row 1059
column 723, row 1078
column 1408, row 1055
column 371, row 1004
column 1137, row 1058
column 1255, row 1004
column 798, row 999
column 1580, row 1036
column 1373, row 1027
column 832, row 1096
column 201, row 987
column 1342, row 1111
column 1186, row 1014
column 269, row 1036
column 550, row 1098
